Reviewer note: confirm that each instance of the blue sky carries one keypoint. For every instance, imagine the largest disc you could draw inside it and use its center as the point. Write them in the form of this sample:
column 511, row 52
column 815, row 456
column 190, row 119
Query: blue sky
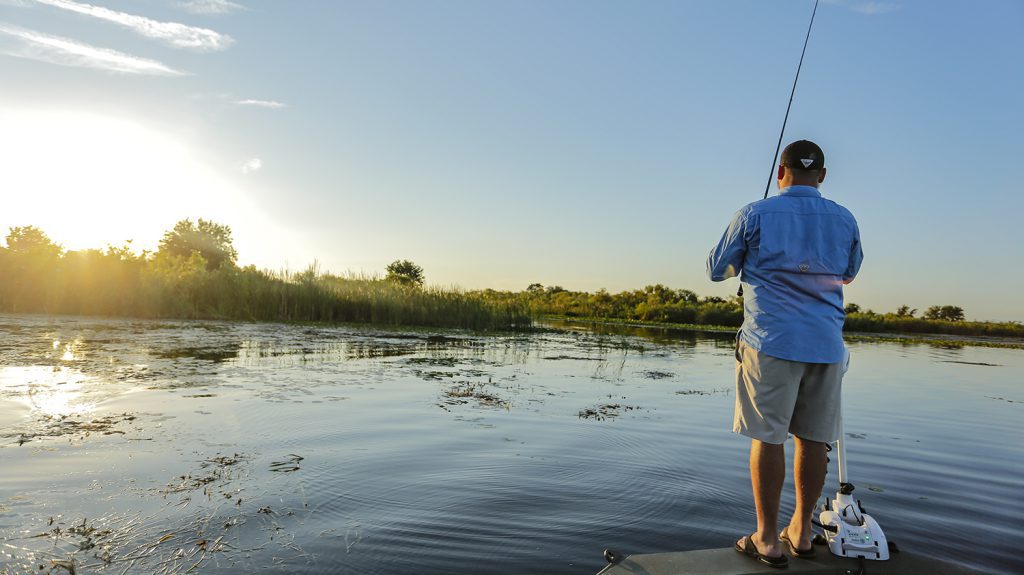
column 587, row 144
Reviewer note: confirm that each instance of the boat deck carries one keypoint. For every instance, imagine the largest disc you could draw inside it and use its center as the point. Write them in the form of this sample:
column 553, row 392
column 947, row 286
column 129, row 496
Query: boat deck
column 730, row 562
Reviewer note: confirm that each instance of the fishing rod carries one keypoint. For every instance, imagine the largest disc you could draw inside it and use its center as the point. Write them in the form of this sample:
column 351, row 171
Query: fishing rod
column 782, row 132
column 771, row 175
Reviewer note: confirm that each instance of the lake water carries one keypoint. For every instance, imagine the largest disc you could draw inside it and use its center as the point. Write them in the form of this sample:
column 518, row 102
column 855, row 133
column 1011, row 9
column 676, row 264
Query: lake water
column 156, row 447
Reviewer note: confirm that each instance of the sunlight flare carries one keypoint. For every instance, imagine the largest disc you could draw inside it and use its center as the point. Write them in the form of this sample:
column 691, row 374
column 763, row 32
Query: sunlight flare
column 51, row 391
column 90, row 181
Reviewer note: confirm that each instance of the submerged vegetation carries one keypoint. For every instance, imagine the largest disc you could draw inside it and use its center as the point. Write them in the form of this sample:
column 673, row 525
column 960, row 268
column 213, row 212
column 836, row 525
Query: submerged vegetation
column 193, row 275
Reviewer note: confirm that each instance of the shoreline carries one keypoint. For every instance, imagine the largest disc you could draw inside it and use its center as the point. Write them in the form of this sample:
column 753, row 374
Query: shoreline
column 946, row 340
column 550, row 321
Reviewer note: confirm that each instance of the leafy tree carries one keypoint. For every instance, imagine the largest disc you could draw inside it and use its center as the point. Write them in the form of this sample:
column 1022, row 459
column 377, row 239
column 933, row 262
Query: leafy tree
column 945, row 312
column 406, row 273
column 124, row 252
column 29, row 267
column 177, row 282
column 658, row 294
column 852, row 308
column 209, row 239
column 905, row 311
column 685, row 295
column 32, row 242
column 534, row 288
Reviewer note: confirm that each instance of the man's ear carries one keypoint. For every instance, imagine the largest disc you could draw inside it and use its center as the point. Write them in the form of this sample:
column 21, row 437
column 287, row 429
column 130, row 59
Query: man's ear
column 821, row 175
column 782, row 171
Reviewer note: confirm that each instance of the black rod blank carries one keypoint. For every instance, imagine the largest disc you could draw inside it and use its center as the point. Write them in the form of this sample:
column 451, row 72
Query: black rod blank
column 771, row 174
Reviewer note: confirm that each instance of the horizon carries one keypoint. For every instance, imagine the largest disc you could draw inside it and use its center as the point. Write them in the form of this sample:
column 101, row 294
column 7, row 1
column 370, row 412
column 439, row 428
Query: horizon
column 584, row 145
column 285, row 272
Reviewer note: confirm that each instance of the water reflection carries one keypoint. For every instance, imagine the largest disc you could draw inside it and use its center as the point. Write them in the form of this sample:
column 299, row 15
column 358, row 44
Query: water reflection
column 213, row 354
column 47, row 391
column 409, row 438
column 657, row 335
column 302, row 349
column 73, row 350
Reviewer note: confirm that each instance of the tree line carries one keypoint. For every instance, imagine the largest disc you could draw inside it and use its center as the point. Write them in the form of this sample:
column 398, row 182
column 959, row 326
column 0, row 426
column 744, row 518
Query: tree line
column 193, row 274
column 654, row 303
column 661, row 304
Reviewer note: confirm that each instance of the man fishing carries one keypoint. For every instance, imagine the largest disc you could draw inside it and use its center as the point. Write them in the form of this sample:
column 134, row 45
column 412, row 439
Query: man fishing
column 793, row 254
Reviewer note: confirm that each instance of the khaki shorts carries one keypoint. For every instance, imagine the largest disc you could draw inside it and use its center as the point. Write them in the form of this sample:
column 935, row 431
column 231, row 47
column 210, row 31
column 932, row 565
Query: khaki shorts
column 776, row 397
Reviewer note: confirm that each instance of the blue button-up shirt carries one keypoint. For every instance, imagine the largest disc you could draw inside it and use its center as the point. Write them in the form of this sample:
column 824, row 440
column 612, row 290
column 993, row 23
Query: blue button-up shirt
column 793, row 253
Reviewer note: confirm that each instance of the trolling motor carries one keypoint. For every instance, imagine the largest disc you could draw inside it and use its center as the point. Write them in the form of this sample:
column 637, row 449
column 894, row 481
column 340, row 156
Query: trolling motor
column 850, row 531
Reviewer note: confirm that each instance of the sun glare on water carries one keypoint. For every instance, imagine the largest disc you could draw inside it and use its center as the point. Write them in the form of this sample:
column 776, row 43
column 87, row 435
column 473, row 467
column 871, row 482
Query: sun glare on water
column 51, row 391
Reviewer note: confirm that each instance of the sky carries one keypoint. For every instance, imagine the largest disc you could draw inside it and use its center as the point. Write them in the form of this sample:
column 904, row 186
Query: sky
column 587, row 144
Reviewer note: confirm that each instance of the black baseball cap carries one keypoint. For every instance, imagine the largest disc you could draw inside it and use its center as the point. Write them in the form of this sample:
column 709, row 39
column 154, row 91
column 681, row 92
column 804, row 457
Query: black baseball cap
column 803, row 155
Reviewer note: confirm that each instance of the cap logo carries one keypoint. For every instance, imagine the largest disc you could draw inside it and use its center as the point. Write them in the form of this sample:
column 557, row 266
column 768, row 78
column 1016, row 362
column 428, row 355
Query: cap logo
column 806, row 162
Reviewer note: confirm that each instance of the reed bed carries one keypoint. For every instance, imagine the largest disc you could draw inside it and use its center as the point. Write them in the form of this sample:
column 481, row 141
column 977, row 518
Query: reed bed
column 112, row 284
column 41, row 278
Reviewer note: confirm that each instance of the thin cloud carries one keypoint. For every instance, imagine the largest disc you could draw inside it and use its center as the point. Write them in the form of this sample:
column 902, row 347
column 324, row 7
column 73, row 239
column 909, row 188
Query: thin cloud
column 262, row 103
column 33, row 45
column 874, row 8
column 210, row 6
column 173, row 33
column 867, row 8
column 252, row 165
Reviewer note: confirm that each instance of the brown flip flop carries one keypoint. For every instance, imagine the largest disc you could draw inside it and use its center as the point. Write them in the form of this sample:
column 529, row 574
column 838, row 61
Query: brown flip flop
column 792, row 550
column 750, row 550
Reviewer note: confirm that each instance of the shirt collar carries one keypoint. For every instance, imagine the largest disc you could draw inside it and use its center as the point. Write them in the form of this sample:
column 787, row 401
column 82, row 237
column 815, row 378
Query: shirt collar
column 806, row 191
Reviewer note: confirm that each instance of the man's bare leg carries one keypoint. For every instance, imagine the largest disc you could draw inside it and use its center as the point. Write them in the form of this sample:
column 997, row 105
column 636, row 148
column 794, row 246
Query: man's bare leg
column 809, row 466
column 767, row 474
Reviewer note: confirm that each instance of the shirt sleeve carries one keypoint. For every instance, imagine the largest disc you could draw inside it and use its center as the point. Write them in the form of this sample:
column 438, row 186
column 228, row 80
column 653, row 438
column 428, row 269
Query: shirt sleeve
column 726, row 259
column 856, row 256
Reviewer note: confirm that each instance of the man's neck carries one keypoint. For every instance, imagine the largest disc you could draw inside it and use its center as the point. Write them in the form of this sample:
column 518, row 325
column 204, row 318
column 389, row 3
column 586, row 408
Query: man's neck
column 787, row 182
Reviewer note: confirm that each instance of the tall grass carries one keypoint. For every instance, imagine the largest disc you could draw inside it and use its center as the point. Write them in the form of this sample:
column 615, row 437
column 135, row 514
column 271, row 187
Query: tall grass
column 36, row 275
column 117, row 283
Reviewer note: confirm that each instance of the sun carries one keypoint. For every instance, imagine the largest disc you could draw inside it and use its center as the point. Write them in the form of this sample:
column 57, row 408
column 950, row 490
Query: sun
column 89, row 180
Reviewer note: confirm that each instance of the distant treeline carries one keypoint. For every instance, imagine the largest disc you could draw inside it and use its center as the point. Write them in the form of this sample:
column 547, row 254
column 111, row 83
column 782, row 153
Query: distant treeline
column 193, row 275
column 871, row 322
column 654, row 303
column 660, row 304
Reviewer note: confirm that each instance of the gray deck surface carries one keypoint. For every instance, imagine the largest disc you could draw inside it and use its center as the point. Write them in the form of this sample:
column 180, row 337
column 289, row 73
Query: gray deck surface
column 730, row 562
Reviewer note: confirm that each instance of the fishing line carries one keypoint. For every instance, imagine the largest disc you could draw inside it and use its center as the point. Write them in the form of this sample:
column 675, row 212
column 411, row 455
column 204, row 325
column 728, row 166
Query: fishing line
column 771, row 175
